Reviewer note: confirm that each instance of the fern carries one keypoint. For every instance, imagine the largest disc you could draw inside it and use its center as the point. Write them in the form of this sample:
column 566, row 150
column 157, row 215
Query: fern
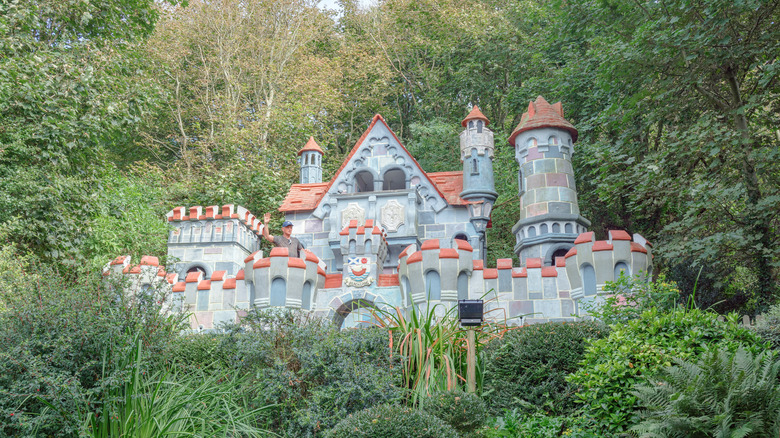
column 725, row 395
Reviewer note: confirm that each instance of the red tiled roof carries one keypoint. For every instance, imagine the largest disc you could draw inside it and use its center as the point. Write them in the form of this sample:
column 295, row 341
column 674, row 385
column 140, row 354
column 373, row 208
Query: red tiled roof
column 475, row 114
column 541, row 114
column 304, row 197
column 450, row 184
column 311, row 145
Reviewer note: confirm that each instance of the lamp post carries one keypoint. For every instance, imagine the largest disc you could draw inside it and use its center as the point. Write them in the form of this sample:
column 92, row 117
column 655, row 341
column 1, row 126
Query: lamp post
column 471, row 314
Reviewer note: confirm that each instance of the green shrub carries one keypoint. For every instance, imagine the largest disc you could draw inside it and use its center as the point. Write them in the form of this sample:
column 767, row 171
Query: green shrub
column 517, row 424
column 638, row 349
column 463, row 411
column 769, row 326
column 627, row 297
column 392, row 421
column 724, row 394
column 315, row 374
column 530, row 364
column 54, row 334
column 203, row 351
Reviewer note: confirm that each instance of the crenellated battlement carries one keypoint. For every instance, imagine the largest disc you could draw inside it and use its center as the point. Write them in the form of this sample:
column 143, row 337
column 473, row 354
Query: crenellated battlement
column 282, row 281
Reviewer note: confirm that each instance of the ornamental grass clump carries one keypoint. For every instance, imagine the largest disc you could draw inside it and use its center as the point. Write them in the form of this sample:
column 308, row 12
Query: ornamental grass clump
column 464, row 411
column 433, row 349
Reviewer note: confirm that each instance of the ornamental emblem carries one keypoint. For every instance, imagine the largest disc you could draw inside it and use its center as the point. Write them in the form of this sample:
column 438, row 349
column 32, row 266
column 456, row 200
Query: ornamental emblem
column 359, row 271
column 392, row 215
column 353, row 212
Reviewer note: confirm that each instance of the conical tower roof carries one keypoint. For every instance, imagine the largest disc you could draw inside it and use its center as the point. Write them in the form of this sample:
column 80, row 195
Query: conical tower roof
column 541, row 114
column 311, row 145
column 475, row 114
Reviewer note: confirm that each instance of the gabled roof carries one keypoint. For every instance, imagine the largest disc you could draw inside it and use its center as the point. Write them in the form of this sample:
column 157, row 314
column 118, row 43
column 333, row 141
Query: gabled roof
column 450, row 184
column 475, row 114
column 541, row 114
column 303, row 197
column 295, row 196
column 311, row 145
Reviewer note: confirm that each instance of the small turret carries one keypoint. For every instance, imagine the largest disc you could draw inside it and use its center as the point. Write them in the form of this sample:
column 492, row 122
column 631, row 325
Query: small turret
column 476, row 153
column 310, row 160
column 550, row 217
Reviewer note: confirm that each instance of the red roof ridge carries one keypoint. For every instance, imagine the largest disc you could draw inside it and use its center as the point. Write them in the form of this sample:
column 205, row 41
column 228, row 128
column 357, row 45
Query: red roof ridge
column 475, row 114
column 541, row 114
column 311, row 145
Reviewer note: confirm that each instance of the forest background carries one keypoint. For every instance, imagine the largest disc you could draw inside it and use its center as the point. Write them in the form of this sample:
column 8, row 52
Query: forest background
column 112, row 112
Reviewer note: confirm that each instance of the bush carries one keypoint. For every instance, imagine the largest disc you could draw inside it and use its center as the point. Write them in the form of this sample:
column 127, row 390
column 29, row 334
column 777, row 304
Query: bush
column 392, row 421
column 315, row 374
column 516, row 424
column 463, row 411
column 723, row 394
column 637, row 350
column 530, row 364
column 627, row 297
column 769, row 327
column 54, row 336
column 202, row 351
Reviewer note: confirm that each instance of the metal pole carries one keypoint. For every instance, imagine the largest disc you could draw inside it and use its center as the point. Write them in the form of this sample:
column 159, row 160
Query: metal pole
column 471, row 362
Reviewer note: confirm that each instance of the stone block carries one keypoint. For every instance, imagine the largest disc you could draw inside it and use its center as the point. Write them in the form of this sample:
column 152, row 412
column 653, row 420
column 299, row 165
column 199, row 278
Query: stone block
column 545, row 166
column 559, row 207
column 194, row 254
column 521, row 290
column 229, row 298
column 550, row 287
column 547, row 194
column 553, row 152
column 426, row 217
column 505, row 280
column 224, row 316
column 547, row 309
column 567, row 308
column 535, row 296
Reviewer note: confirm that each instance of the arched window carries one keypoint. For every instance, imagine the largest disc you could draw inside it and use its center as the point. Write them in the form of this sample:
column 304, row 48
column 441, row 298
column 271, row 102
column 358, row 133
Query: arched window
column 278, row 293
column 543, row 229
column 531, row 142
column 432, row 285
column 463, row 286
column 553, row 140
column 588, row 280
column 306, row 296
column 367, row 247
column 568, row 229
column 621, row 267
column 407, row 290
column 532, row 232
column 471, row 124
column 556, row 227
column 364, row 181
column 352, row 247
column 479, row 126
column 394, row 179
column 558, row 253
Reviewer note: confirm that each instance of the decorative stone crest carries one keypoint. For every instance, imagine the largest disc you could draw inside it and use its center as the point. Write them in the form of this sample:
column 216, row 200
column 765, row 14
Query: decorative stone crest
column 353, row 212
column 359, row 272
column 392, row 215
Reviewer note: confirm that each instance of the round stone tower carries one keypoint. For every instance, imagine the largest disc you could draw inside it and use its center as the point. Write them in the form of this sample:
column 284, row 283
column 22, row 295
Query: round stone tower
column 310, row 160
column 550, row 217
column 476, row 153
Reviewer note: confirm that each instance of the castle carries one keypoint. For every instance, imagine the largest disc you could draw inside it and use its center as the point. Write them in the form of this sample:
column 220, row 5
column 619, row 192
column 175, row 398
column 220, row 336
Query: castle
column 383, row 233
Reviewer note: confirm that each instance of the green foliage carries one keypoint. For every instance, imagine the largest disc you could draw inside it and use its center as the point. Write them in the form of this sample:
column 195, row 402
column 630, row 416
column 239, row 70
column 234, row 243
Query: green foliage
column 209, row 352
column 143, row 402
column 54, row 333
column 627, row 298
column 527, row 368
column 723, row 394
column 315, row 374
column 463, row 411
column 768, row 327
column 514, row 424
column 638, row 349
column 392, row 421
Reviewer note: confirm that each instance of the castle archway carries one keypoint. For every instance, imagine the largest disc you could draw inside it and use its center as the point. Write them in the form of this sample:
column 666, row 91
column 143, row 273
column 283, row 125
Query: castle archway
column 355, row 309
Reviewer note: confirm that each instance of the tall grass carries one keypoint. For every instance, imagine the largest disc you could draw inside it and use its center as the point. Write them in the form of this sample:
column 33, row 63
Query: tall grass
column 434, row 348
column 161, row 403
